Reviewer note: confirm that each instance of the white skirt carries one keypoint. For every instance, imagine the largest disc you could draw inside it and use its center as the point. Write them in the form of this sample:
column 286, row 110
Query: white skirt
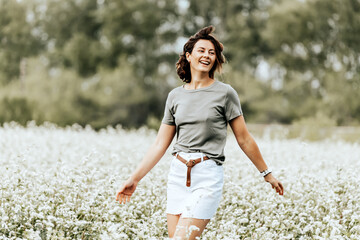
column 202, row 198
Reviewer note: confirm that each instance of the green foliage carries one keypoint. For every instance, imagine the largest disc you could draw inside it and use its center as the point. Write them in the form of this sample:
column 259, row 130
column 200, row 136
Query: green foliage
column 82, row 54
column 112, row 62
column 59, row 95
column 15, row 109
column 62, row 19
column 17, row 39
column 116, row 98
column 312, row 43
column 138, row 30
column 316, row 40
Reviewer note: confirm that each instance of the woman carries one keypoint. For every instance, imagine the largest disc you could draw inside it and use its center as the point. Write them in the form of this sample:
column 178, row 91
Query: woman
column 198, row 113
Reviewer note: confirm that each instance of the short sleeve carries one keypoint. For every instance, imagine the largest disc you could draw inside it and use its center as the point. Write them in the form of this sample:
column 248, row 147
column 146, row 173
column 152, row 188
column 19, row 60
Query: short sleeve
column 168, row 112
column 232, row 105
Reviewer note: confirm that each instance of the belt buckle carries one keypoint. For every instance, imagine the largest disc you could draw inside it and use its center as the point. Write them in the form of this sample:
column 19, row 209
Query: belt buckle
column 191, row 163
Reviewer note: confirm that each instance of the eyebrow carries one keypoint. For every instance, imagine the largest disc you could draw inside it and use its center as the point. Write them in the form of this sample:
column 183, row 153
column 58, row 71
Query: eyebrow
column 211, row 49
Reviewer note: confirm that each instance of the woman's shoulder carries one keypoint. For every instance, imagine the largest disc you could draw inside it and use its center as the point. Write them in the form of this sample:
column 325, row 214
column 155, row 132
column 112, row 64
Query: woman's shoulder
column 225, row 87
column 175, row 90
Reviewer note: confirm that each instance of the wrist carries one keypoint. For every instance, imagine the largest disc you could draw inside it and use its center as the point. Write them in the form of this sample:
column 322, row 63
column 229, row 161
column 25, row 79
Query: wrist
column 265, row 172
column 134, row 179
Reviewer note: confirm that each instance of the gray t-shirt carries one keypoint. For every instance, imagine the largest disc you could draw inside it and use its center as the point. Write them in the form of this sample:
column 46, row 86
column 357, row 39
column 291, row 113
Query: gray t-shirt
column 201, row 118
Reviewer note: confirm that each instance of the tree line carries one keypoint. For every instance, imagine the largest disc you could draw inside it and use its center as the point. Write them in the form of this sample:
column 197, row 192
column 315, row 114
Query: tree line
column 109, row 62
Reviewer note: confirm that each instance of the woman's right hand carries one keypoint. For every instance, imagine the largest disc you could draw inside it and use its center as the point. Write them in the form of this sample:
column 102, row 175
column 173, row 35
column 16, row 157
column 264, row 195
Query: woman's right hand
column 126, row 190
column 164, row 137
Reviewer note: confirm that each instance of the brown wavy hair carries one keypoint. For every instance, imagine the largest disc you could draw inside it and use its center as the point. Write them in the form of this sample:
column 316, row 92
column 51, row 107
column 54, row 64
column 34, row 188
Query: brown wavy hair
column 183, row 66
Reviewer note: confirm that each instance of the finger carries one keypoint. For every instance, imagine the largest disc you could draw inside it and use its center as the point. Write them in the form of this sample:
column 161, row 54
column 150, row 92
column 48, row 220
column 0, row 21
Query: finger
column 118, row 196
column 278, row 189
column 120, row 191
column 124, row 199
column 121, row 200
column 281, row 188
column 128, row 198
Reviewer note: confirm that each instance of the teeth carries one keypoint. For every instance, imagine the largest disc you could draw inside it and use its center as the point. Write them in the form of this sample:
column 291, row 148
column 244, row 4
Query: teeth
column 207, row 63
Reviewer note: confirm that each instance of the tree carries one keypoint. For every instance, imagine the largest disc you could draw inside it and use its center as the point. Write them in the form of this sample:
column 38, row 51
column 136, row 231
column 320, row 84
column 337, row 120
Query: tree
column 313, row 41
column 18, row 39
column 140, row 30
column 72, row 34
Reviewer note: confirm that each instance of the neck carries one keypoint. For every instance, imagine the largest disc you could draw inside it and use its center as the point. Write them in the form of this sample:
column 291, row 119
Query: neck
column 199, row 80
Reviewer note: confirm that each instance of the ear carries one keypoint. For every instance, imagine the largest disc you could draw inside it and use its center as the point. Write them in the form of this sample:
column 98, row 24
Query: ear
column 188, row 56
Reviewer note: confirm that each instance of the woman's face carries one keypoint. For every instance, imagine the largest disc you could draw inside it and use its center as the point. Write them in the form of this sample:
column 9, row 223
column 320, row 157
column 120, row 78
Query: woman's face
column 202, row 57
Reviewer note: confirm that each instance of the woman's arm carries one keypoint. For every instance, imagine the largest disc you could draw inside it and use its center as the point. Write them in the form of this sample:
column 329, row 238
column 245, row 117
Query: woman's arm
column 251, row 149
column 163, row 139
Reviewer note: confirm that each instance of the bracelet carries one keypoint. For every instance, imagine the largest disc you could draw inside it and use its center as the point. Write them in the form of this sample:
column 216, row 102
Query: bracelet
column 265, row 172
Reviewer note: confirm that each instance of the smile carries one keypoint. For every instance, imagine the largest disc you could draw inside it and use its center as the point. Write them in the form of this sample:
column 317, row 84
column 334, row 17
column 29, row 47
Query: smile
column 205, row 62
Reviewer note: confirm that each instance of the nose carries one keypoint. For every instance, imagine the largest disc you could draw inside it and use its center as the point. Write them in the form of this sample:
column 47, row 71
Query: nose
column 206, row 54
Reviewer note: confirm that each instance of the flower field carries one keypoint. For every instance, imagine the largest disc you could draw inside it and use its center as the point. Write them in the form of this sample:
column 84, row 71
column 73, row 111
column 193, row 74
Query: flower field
column 60, row 183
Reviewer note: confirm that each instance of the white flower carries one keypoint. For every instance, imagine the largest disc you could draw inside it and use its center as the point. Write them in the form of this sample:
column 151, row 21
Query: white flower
column 69, row 178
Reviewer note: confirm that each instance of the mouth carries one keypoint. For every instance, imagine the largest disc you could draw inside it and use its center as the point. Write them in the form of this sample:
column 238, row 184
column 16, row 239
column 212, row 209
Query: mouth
column 206, row 63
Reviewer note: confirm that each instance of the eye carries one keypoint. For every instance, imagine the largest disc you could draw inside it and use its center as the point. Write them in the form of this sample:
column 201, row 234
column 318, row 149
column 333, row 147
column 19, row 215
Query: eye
column 212, row 53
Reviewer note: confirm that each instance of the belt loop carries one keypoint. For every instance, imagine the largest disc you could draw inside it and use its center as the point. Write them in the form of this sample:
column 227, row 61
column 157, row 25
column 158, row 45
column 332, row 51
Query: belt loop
column 202, row 157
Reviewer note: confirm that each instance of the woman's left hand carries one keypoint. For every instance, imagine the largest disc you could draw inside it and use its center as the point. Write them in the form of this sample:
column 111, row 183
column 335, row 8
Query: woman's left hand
column 275, row 184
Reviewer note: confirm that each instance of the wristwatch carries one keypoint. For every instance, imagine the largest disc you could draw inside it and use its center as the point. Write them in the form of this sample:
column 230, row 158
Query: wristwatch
column 265, row 172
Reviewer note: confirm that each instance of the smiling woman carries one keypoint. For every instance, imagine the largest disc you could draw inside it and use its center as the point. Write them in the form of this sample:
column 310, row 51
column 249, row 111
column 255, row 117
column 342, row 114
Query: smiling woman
column 203, row 56
column 198, row 113
column 203, row 42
